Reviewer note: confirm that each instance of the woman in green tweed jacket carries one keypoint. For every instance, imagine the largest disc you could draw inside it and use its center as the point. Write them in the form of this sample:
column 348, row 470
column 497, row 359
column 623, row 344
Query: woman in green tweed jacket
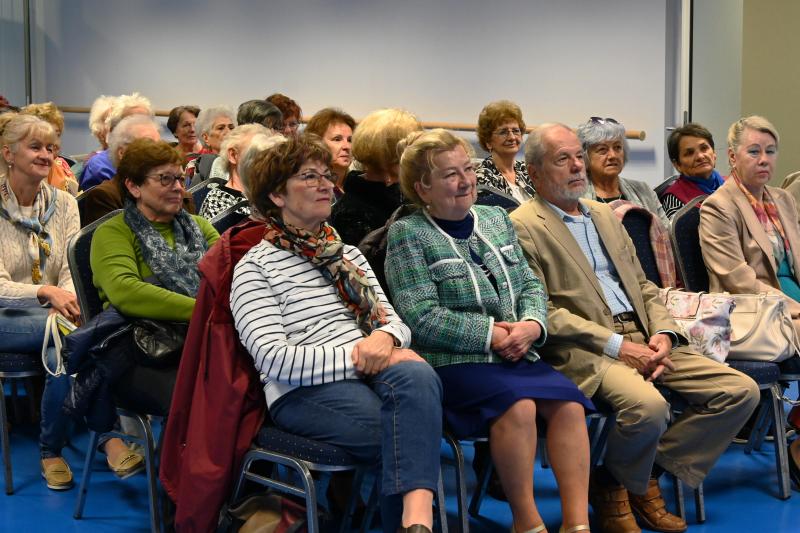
column 476, row 312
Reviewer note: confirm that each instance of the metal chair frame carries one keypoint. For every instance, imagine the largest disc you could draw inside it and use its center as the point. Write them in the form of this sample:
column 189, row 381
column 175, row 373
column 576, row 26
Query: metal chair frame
column 6, row 440
column 147, row 441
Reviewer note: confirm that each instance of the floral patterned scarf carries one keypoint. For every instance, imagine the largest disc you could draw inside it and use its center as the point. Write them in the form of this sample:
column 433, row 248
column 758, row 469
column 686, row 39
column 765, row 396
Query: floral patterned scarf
column 766, row 211
column 39, row 240
column 325, row 251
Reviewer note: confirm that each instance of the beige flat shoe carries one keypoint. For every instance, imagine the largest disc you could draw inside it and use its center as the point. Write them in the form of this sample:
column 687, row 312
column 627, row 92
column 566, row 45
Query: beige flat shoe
column 537, row 529
column 57, row 474
column 574, row 529
column 126, row 464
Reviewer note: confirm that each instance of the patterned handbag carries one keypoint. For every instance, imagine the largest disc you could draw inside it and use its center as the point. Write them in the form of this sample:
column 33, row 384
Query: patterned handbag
column 704, row 319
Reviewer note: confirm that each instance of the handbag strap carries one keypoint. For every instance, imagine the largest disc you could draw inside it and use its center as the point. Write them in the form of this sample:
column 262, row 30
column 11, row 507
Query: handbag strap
column 51, row 331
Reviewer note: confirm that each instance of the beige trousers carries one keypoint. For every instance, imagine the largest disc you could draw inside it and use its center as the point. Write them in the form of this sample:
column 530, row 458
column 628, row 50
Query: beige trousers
column 719, row 399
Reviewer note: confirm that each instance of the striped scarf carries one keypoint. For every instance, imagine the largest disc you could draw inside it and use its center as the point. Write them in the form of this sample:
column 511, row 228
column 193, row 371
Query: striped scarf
column 325, row 251
column 39, row 240
column 766, row 211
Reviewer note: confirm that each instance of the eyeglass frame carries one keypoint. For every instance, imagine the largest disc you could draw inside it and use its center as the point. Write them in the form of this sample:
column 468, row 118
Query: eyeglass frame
column 171, row 179
column 506, row 132
column 308, row 181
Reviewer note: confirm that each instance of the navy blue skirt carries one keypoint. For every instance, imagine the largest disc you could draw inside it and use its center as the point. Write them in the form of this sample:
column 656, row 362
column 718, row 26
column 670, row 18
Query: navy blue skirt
column 477, row 393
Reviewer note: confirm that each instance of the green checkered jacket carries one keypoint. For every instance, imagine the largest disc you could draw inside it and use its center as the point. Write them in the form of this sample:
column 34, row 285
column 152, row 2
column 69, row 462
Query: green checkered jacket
column 447, row 300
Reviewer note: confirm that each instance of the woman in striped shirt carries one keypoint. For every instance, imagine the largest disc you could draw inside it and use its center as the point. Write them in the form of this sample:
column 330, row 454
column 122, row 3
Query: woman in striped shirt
column 331, row 352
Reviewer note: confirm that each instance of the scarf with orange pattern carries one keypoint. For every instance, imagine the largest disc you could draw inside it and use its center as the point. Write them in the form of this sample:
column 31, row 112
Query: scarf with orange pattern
column 766, row 211
column 325, row 251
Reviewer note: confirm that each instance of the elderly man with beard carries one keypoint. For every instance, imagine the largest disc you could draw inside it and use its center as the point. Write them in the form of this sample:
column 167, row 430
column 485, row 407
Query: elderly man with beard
column 610, row 334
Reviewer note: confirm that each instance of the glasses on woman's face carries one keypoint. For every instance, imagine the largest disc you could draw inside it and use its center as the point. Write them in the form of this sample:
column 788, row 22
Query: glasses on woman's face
column 508, row 132
column 168, row 180
column 313, row 179
column 600, row 120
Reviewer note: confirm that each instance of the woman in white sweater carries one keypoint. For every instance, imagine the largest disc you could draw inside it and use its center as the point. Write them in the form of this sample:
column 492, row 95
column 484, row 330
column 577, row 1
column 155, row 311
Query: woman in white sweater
column 37, row 222
column 331, row 352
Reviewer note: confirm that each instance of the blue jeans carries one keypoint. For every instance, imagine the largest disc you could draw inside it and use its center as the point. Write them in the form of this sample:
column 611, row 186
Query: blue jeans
column 393, row 419
column 22, row 330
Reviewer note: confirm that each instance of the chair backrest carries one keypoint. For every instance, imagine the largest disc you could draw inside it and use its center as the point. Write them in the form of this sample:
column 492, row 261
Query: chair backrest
column 490, row 196
column 202, row 168
column 637, row 223
column 201, row 190
column 81, row 269
column 229, row 217
column 81, row 199
column 661, row 187
column 686, row 245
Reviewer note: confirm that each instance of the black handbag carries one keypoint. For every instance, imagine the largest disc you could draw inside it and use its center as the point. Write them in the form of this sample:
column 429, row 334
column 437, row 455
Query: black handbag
column 159, row 342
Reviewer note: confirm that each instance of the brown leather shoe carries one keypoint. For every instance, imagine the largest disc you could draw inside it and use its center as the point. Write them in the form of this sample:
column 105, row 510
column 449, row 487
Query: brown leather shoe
column 611, row 508
column 651, row 510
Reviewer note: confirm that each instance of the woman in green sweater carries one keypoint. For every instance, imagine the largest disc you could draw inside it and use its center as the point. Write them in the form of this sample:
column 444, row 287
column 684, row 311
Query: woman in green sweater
column 145, row 260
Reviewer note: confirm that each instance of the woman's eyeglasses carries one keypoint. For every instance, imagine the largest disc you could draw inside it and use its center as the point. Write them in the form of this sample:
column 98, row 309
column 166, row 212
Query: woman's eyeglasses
column 600, row 120
column 168, row 180
column 508, row 132
column 313, row 179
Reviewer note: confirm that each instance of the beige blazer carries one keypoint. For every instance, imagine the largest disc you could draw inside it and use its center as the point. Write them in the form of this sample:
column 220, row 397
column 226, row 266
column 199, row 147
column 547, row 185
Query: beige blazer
column 737, row 250
column 579, row 321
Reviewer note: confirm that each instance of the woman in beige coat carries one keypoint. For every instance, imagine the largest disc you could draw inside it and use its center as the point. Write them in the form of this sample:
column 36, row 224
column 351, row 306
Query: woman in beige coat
column 749, row 231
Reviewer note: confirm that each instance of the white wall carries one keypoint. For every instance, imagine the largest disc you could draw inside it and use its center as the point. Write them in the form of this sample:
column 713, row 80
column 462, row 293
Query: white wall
column 717, row 69
column 560, row 60
column 12, row 57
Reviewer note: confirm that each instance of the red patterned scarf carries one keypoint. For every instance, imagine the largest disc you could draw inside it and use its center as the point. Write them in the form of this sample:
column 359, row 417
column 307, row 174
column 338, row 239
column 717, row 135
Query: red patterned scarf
column 325, row 251
column 766, row 211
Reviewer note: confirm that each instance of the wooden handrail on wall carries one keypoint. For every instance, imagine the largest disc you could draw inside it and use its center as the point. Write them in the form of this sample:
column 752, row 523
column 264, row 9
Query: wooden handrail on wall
column 455, row 126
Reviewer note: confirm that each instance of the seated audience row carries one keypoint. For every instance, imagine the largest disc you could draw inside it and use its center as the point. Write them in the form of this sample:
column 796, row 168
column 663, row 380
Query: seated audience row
column 499, row 323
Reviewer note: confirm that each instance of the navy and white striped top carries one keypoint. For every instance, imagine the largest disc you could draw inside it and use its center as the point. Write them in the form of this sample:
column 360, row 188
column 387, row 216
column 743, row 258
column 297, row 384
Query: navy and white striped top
column 293, row 322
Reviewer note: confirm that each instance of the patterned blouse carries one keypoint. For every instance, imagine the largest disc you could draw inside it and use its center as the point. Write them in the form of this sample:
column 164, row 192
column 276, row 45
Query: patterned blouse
column 489, row 175
column 221, row 198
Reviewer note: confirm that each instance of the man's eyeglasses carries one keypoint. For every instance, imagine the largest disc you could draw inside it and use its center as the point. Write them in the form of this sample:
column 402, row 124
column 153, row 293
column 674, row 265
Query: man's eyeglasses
column 600, row 120
column 508, row 132
column 313, row 179
column 168, row 180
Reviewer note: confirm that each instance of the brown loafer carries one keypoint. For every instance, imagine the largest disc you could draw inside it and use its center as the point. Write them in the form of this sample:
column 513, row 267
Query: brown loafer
column 651, row 510
column 611, row 507
column 57, row 474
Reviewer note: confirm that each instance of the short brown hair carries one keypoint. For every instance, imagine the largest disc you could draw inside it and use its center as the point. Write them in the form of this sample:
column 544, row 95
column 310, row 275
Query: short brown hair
column 375, row 140
column 325, row 118
column 271, row 169
column 175, row 115
column 287, row 106
column 494, row 114
column 141, row 156
column 692, row 129
column 418, row 150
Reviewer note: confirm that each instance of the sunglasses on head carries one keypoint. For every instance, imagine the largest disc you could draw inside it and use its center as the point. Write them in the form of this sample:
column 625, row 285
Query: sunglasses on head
column 601, row 120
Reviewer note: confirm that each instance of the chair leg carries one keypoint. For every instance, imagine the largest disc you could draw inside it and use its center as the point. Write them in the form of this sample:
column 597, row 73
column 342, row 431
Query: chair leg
column 598, row 431
column 355, row 494
column 94, row 437
column 461, row 482
column 311, row 500
column 678, row 488
column 30, row 391
column 480, row 489
column 699, row 504
column 372, row 504
column 541, row 447
column 763, row 410
column 6, row 441
column 781, row 453
column 441, row 505
column 152, row 472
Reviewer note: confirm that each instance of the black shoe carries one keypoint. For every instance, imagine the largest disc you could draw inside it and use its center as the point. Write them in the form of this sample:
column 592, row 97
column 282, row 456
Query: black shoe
column 416, row 528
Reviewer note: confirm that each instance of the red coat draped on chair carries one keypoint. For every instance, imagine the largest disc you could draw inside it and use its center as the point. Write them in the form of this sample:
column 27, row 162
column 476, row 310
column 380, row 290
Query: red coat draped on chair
column 218, row 404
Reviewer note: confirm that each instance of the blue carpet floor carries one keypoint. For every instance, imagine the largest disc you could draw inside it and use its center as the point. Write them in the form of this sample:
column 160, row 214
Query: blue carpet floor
column 740, row 495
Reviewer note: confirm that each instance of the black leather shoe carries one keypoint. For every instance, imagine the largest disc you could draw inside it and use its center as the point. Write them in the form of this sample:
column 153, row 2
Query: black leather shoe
column 416, row 528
